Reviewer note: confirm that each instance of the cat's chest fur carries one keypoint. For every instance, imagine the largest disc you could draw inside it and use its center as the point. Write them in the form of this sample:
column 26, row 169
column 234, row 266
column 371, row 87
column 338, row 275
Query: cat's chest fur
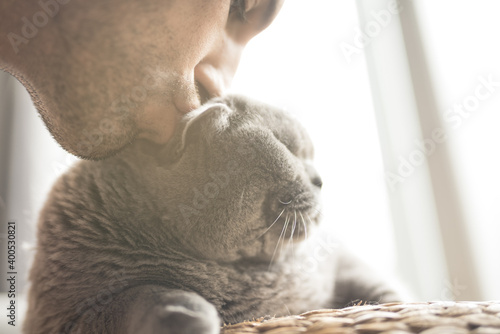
column 243, row 291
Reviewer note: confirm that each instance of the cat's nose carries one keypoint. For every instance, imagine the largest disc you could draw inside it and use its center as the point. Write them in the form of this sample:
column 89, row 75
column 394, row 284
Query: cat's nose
column 316, row 180
column 313, row 174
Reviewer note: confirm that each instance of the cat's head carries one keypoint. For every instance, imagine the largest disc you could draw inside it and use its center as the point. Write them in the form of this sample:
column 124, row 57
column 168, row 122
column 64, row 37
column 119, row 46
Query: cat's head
column 236, row 178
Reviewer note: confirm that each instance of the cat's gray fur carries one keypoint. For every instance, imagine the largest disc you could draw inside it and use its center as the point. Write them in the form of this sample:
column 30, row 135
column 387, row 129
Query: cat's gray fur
column 163, row 240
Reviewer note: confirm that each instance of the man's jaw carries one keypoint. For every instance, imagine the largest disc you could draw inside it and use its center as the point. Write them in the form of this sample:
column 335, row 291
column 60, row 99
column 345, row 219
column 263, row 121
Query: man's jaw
column 149, row 130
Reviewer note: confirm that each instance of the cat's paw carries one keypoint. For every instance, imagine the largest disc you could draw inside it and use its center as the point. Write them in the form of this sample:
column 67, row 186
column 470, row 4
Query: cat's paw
column 192, row 316
column 180, row 320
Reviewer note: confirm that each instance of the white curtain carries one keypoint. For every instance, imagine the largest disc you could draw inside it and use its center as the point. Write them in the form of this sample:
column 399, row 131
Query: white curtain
column 440, row 209
column 463, row 67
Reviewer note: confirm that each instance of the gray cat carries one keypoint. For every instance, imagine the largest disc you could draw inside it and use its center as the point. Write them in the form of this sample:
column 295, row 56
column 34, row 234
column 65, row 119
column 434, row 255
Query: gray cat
column 216, row 225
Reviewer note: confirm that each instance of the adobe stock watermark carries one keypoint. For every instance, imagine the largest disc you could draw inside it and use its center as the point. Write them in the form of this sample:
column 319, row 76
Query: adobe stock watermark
column 59, row 167
column 324, row 247
column 452, row 290
column 31, row 27
column 91, row 307
column 381, row 19
column 454, row 116
column 204, row 195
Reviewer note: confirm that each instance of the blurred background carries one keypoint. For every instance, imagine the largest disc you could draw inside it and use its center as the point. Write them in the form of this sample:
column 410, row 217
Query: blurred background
column 402, row 101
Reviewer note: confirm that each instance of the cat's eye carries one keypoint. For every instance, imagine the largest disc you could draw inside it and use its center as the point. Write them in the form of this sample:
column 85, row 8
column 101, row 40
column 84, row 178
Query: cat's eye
column 291, row 144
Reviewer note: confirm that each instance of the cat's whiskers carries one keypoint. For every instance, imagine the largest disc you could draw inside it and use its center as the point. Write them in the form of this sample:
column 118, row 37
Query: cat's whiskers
column 293, row 227
column 304, row 225
column 279, row 239
column 291, row 235
column 287, row 309
column 310, row 222
column 285, row 228
column 290, row 240
column 274, row 222
column 318, row 211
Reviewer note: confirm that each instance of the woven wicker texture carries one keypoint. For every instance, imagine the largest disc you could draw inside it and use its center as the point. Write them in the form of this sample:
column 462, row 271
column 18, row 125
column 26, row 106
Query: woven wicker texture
column 394, row 318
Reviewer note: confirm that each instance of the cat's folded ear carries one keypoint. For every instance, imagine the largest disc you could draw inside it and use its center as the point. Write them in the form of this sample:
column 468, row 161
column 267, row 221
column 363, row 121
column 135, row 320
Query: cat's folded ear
column 207, row 121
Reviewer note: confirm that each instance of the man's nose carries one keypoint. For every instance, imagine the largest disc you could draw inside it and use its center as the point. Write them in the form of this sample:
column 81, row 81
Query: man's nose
column 216, row 71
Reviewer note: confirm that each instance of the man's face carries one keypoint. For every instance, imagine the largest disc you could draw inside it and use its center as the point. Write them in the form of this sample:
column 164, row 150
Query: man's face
column 113, row 71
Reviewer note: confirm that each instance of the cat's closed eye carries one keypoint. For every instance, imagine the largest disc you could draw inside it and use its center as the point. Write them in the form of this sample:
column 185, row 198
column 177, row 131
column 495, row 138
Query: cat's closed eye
column 291, row 144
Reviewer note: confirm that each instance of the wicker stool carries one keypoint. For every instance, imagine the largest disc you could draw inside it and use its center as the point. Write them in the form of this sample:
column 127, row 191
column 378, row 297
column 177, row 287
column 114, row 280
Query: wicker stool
column 393, row 318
